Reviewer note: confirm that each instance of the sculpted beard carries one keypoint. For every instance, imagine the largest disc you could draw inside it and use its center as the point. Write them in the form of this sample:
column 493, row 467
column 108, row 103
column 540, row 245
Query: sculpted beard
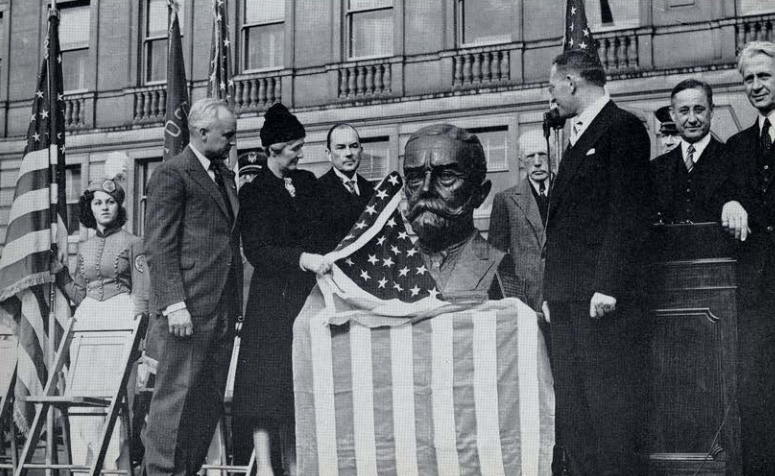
column 431, row 218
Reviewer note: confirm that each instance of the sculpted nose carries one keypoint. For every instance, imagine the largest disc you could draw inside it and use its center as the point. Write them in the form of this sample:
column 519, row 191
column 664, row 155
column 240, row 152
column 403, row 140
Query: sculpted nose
column 426, row 184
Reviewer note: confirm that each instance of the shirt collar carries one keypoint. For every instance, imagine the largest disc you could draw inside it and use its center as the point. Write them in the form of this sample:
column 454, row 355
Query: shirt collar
column 699, row 147
column 590, row 113
column 536, row 184
column 344, row 178
column 108, row 231
column 202, row 159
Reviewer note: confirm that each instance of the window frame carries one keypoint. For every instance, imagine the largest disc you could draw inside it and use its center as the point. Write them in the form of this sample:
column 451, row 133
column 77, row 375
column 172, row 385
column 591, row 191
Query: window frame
column 142, row 165
column 74, row 201
column 87, row 6
column 379, row 139
column 601, row 28
column 348, row 19
column 460, row 30
column 755, row 12
column 147, row 40
column 245, row 26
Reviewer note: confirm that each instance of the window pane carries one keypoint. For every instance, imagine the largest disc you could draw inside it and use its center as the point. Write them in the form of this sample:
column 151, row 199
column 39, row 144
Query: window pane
column 371, row 33
column 74, row 69
column 612, row 13
column 367, row 4
column 264, row 46
column 496, row 147
column 156, row 60
column 156, row 19
column 73, row 190
column 144, row 171
column 264, row 11
column 74, row 27
column 756, row 6
column 376, row 159
column 486, row 21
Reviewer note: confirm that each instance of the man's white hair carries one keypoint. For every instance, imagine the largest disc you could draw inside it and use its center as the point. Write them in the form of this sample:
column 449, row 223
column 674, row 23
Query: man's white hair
column 754, row 48
column 204, row 112
column 531, row 142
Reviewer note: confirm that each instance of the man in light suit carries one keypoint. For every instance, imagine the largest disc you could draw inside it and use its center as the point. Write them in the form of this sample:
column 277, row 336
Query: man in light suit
column 598, row 218
column 518, row 216
column 750, row 216
column 342, row 191
column 192, row 246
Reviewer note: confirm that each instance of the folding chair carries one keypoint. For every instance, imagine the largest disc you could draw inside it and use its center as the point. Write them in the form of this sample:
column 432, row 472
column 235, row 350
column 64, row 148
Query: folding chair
column 123, row 339
column 8, row 355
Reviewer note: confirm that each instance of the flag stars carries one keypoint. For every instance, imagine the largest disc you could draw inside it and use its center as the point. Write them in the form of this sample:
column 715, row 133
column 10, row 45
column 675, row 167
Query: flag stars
column 360, row 225
column 403, row 235
column 397, row 287
column 365, row 275
column 381, row 283
column 387, row 262
column 36, row 136
column 393, row 179
column 586, row 31
column 415, row 290
column 381, row 240
column 433, row 292
column 381, row 194
column 422, row 270
column 349, row 262
column 373, row 260
column 39, row 94
column 348, row 238
column 62, row 149
column 60, row 97
column 572, row 10
column 44, row 114
column 371, row 210
column 411, row 252
column 583, row 45
column 33, row 117
column 395, row 250
column 570, row 42
column 403, row 272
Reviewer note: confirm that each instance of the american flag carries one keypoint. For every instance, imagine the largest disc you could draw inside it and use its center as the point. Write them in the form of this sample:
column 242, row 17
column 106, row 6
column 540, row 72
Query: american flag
column 390, row 379
column 577, row 34
column 176, row 111
column 220, row 84
column 37, row 229
column 380, row 256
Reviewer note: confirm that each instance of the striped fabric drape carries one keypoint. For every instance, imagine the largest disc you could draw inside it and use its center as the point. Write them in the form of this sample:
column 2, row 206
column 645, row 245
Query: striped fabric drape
column 37, row 228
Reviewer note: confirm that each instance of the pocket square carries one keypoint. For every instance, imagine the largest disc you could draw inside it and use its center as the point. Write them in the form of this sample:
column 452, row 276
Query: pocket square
column 590, row 151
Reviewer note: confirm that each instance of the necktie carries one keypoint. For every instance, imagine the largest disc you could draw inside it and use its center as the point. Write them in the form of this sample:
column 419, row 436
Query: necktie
column 575, row 130
column 765, row 139
column 689, row 160
column 220, row 171
column 350, row 186
column 542, row 189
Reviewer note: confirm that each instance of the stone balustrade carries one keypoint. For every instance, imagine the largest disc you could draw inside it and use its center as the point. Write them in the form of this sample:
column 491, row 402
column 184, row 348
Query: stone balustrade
column 481, row 67
column 366, row 80
column 618, row 50
column 257, row 93
column 75, row 111
column 150, row 103
column 755, row 28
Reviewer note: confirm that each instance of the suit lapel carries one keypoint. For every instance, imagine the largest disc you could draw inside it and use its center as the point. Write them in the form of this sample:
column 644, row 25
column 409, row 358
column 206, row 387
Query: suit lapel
column 523, row 198
column 200, row 176
column 574, row 156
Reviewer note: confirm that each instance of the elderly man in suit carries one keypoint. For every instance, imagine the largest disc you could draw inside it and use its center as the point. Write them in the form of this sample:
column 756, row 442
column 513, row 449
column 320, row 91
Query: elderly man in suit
column 750, row 216
column 342, row 192
column 519, row 214
column 192, row 246
column 597, row 220
column 689, row 181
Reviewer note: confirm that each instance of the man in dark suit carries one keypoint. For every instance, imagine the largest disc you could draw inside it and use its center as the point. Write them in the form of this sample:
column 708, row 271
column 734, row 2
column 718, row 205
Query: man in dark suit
column 689, row 180
column 192, row 246
column 597, row 218
column 518, row 217
column 751, row 218
column 342, row 193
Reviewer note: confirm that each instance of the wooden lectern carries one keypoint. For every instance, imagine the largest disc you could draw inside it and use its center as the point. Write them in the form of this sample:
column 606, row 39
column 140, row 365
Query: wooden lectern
column 694, row 426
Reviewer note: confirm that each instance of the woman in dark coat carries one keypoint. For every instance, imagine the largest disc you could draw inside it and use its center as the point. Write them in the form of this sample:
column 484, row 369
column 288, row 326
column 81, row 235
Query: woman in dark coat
column 276, row 220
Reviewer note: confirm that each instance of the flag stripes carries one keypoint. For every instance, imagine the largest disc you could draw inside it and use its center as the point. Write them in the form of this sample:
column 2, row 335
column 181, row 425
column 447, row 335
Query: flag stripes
column 458, row 404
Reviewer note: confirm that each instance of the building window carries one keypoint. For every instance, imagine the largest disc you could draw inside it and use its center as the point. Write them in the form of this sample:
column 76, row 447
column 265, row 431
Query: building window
column 482, row 22
column 143, row 171
column 155, row 43
column 75, row 19
column 263, row 34
column 376, row 158
column 74, row 188
column 370, row 26
column 753, row 7
column 495, row 141
column 612, row 13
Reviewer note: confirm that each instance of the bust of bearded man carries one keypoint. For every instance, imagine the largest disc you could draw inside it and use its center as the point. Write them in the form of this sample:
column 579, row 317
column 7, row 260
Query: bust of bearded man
column 445, row 170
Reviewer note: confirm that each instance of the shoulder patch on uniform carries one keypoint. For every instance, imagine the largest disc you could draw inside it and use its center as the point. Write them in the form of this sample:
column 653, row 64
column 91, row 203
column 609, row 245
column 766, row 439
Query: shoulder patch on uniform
column 140, row 263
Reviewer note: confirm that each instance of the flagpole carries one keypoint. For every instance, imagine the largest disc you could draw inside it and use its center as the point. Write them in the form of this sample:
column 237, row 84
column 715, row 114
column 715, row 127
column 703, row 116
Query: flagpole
column 50, row 449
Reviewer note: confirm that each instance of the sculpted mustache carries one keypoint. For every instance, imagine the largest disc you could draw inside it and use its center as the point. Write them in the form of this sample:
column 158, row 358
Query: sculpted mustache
column 435, row 206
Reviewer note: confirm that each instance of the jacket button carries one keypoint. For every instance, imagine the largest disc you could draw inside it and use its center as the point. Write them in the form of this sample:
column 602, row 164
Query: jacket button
column 770, row 228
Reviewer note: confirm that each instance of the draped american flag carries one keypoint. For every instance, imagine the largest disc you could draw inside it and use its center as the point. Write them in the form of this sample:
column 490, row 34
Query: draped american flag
column 389, row 379
column 577, row 34
column 37, row 230
column 176, row 132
